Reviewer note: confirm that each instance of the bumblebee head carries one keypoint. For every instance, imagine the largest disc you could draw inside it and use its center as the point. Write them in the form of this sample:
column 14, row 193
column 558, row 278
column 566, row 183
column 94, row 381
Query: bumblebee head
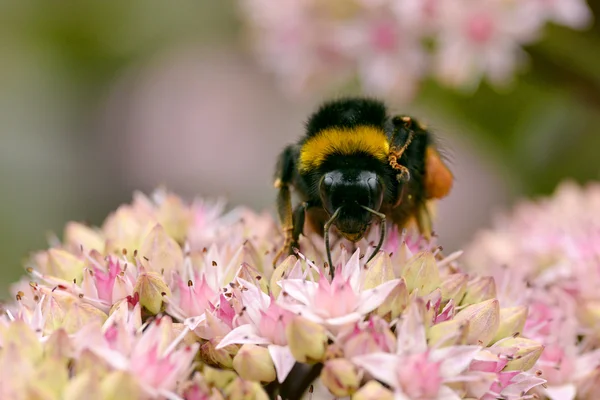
column 350, row 193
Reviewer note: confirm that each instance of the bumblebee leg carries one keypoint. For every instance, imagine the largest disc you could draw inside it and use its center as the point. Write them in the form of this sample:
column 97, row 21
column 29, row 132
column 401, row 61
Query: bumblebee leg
column 284, row 209
column 298, row 223
column 283, row 178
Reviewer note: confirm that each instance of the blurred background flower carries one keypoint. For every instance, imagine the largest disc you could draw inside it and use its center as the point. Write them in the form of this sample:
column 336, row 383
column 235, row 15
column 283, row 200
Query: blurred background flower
column 100, row 99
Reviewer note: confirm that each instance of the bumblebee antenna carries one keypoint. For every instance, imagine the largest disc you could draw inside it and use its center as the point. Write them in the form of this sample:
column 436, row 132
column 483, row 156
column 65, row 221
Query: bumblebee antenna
column 381, row 230
column 326, row 228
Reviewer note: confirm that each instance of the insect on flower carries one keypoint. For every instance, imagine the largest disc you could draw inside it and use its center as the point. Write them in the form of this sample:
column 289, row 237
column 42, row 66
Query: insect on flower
column 357, row 164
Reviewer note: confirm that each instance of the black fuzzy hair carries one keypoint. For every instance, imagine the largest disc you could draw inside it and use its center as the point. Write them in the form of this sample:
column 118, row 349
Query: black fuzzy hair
column 348, row 112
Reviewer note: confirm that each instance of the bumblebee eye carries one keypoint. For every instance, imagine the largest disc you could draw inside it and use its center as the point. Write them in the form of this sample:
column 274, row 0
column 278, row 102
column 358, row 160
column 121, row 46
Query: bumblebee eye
column 327, row 187
column 376, row 192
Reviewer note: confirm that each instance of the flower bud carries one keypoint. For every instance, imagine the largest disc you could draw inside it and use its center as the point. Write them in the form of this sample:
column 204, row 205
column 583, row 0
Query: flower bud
column 190, row 338
column 198, row 389
column 82, row 386
column 250, row 274
column 282, row 271
column 448, row 333
column 64, row 265
column 151, row 288
column 379, row 270
column 421, row 272
column 122, row 229
column 373, row 390
column 119, row 385
column 479, row 289
column 307, row 340
column 340, row 377
column 48, row 381
column 240, row 389
column 59, row 346
column 218, row 378
column 23, row 338
column 512, row 321
column 524, row 352
column 88, row 361
column 222, row 357
column 454, row 287
column 174, row 215
column 254, row 363
column 160, row 252
column 66, row 311
column 487, row 361
column 483, row 318
column 78, row 236
column 395, row 303
column 588, row 313
column 375, row 337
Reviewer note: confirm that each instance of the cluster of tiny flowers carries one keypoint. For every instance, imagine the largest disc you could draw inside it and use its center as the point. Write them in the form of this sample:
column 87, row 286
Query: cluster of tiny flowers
column 170, row 300
column 392, row 45
column 546, row 256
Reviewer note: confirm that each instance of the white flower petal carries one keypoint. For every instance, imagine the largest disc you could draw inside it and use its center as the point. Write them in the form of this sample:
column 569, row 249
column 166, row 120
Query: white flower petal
column 351, row 271
column 254, row 299
column 521, row 383
column 586, row 363
column 454, row 359
column 282, row 359
column 114, row 358
column 564, row 392
column 193, row 322
column 371, row 299
column 302, row 310
column 446, row 393
column 299, row 289
column 343, row 320
column 399, row 395
column 411, row 332
column 241, row 335
column 383, row 366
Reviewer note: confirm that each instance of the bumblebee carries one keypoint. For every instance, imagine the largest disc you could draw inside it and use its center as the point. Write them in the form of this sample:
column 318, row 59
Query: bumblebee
column 355, row 165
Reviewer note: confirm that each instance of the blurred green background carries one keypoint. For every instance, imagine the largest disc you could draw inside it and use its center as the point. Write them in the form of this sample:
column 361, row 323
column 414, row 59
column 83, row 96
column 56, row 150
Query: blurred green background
column 100, row 99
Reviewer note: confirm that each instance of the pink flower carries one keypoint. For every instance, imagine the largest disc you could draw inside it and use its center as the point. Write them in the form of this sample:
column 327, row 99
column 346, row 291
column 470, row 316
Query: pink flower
column 415, row 370
column 191, row 298
column 387, row 46
column 389, row 57
column 173, row 320
column 366, row 337
column 545, row 256
column 480, row 39
column 266, row 322
column 337, row 303
column 153, row 356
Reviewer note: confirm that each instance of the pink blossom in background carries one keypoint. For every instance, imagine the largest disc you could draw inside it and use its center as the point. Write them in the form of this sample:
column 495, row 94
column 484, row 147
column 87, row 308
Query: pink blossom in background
column 390, row 46
column 546, row 255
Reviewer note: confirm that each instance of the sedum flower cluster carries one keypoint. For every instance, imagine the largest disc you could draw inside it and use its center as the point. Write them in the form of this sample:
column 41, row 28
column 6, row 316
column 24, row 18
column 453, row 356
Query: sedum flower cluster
column 170, row 300
column 390, row 46
column 546, row 256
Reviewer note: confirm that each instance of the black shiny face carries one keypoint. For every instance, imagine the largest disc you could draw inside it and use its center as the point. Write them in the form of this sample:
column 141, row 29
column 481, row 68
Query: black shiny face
column 349, row 190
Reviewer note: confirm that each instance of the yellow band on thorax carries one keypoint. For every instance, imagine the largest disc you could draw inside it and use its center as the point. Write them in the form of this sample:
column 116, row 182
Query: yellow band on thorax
column 362, row 139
